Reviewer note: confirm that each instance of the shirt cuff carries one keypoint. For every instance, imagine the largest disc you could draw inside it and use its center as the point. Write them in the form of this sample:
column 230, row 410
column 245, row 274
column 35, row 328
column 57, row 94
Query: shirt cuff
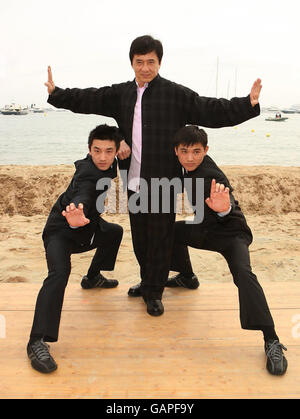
column 222, row 214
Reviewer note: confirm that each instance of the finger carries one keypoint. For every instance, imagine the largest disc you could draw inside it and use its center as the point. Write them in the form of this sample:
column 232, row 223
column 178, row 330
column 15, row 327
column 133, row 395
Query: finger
column 213, row 186
column 80, row 206
column 50, row 80
column 217, row 187
column 222, row 187
column 72, row 206
column 64, row 213
column 67, row 208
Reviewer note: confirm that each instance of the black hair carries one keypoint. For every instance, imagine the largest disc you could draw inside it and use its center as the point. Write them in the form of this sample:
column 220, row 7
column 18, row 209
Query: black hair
column 105, row 132
column 190, row 135
column 145, row 44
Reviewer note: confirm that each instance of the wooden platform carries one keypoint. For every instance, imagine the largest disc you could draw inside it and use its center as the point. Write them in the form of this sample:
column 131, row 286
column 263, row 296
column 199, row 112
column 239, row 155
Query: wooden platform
column 109, row 347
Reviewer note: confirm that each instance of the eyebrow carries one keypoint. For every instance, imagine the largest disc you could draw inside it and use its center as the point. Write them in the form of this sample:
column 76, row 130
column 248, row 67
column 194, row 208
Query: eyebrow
column 107, row 149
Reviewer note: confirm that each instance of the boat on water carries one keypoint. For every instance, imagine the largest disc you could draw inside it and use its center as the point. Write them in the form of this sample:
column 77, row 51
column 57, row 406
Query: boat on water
column 33, row 108
column 277, row 118
column 289, row 110
column 14, row 109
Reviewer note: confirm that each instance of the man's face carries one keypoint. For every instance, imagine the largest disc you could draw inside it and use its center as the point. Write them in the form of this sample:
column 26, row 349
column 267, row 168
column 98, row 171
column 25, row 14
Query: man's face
column 103, row 153
column 146, row 67
column 190, row 157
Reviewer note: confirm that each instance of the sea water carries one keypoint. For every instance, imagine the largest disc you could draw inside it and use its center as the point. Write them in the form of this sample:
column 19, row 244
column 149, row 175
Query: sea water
column 60, row 137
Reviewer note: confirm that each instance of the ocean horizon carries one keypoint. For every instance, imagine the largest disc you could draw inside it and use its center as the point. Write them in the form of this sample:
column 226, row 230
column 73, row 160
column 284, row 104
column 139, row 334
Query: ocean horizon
column 60, row 137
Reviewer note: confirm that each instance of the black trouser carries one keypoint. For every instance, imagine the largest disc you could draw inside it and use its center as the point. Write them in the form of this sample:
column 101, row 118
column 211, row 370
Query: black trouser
column 254, row 310
column 152, row 239
column 58, row 250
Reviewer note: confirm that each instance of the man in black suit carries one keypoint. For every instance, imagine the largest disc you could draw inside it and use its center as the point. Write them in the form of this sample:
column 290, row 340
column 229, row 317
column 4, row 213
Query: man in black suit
column 149, row 110
column 224, row 230
column 75, row 226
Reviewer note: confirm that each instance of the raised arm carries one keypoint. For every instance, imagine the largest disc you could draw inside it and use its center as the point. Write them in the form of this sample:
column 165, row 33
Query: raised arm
column 100, row 101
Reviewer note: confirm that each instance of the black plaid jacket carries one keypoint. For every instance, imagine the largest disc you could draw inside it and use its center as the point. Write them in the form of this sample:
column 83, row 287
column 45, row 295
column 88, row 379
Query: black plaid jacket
column 82, row 189
column 166, row 107
column 233, row 224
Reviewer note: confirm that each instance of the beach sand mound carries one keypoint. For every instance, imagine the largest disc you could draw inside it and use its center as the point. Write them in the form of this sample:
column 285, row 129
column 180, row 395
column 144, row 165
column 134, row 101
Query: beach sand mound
column 32, row 190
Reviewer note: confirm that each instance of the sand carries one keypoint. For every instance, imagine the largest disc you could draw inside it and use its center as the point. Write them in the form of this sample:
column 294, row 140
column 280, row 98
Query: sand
column 268, row 195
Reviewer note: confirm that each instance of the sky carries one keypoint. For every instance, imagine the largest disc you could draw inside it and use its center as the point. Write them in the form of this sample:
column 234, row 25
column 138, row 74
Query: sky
column 217, row 48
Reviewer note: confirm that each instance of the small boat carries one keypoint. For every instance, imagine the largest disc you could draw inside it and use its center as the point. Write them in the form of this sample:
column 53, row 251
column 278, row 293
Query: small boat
column 14, row 109
column 33, row 108
column 277, row 118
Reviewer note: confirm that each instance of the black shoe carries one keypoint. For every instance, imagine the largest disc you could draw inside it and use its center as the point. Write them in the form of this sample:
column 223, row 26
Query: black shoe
column 135, row 291
column 99, row 281
column 276, row 361
column 41, row 360
column 154, row 307
column 181, row 281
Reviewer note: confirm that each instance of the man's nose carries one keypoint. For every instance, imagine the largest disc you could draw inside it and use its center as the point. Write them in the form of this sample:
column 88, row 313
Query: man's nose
column 190, row 157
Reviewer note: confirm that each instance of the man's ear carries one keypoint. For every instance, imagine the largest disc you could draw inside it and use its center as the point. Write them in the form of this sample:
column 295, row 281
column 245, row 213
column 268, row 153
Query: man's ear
column 176, row 150
column 206, row 150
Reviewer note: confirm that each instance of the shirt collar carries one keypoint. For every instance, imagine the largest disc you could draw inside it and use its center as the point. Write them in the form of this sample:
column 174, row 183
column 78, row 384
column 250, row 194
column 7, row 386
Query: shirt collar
column 144, row 87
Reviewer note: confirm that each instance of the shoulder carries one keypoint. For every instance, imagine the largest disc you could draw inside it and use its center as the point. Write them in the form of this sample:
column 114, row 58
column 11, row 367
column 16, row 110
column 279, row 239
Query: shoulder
column 169, row 84
column 87, row 171
column 209, row 170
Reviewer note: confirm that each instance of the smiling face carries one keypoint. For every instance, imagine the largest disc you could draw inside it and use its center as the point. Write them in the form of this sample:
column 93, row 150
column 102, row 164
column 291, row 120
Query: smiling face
column 146, row 67
column 190, row 157
column 103, row 153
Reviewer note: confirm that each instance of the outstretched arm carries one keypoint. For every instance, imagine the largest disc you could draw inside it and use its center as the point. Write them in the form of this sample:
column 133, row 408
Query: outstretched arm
column 75, row 216
column 219, row 199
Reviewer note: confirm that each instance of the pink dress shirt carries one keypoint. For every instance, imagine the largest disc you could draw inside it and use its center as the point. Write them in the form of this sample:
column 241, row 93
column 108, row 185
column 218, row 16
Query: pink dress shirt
column 136, row 149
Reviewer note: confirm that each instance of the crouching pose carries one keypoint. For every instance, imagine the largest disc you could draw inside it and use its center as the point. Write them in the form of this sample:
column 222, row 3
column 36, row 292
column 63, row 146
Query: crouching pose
column 224, row 230
column 75, row 226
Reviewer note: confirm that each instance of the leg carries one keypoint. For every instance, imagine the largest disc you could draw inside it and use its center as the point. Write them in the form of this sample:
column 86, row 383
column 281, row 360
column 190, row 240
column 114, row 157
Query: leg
column 185, row 235
column 49, row 305
column 50, row 298
column 152, row 237
column 254, row 310
column 106, row 241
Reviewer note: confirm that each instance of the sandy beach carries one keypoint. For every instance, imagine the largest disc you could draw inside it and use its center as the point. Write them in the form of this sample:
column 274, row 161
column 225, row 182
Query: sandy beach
column 268, row 195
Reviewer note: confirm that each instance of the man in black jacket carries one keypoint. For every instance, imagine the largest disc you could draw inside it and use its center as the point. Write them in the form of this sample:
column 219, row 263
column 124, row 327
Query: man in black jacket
column 224, row 230
column 75, row 226
column 149, row 110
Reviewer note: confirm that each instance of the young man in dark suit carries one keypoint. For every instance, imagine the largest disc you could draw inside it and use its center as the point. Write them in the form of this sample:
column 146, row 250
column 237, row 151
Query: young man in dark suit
column 75, row 226
column 224, row 230
column 149, row 110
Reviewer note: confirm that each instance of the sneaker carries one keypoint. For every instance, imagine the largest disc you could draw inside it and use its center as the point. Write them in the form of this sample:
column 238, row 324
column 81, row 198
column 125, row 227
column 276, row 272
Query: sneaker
column 276, row 361
column 99, row 281
column 181, row 281
column 41, row 360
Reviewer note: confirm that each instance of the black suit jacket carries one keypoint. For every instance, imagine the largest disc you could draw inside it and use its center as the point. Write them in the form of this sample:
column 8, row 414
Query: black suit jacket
column 82, row 189
column 232, row 224
column 166, row 107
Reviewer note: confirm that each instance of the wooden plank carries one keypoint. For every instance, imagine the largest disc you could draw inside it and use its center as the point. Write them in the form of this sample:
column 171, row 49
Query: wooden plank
column 210, row 295
column 109, row 347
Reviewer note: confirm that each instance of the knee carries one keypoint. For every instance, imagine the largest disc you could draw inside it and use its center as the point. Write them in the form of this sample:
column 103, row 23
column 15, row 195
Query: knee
column 117, row 231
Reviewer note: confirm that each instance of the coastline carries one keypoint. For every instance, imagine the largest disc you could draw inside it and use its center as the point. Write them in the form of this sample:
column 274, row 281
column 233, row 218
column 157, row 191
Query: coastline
column 268, row 195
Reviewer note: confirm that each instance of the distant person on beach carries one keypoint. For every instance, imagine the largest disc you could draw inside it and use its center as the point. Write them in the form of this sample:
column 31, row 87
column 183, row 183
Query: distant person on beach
column 75, row 226
column 149, row 110
column 224, row 230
